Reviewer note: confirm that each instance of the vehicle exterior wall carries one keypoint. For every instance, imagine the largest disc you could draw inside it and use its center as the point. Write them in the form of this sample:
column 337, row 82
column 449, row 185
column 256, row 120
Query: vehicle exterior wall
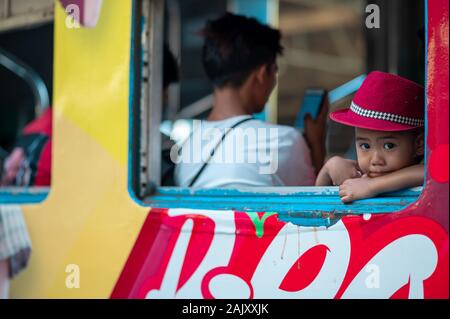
column 125, row 250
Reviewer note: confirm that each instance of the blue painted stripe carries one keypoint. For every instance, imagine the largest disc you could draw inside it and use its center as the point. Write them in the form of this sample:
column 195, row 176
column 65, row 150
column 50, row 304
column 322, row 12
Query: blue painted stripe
column 307, row 208
column 284, row 200
column 24, row 195
column 132, row 88
column 272, row 191
column 279, row 206
column 130, row 104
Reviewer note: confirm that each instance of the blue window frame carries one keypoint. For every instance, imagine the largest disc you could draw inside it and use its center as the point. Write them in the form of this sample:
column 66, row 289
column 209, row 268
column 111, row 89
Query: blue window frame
column 306, row 206
column 19, row 195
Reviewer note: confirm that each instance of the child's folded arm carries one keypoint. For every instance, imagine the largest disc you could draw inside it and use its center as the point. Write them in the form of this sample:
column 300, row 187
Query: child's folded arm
column 366, row 187
column 323, row 178
column 407, row 177
column 336, row 171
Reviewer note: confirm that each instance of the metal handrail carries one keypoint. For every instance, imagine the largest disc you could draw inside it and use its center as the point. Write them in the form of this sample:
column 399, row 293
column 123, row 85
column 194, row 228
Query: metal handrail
column 31, row 77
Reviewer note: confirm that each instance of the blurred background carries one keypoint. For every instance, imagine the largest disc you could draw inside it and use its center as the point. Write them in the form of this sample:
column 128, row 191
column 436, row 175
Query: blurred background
column 26, row 64
column 326, row 45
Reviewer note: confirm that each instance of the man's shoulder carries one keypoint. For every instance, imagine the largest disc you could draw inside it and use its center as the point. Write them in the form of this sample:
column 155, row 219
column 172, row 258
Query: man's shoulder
column 283, row 128
column 283, row 131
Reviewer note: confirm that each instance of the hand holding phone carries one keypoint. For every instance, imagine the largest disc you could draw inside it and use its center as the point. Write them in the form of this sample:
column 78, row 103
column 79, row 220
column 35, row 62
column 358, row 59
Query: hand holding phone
column 311, row 104
column 312, row 120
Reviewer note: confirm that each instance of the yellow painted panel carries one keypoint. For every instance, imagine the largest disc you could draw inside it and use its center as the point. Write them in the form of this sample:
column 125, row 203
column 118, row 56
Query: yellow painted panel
column 92, row 75
column 89, row 219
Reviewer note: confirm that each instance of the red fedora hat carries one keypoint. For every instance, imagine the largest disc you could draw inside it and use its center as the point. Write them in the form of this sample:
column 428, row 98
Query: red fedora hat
column 385, row 102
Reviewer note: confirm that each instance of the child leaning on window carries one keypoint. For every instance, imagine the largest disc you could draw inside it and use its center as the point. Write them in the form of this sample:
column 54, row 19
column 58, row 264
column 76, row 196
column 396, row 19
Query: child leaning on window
column 387, row 113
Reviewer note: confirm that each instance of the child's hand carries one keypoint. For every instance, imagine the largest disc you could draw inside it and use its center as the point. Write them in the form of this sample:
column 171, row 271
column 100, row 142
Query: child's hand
column 366, row 187
column 356, row 188
column 341, row 169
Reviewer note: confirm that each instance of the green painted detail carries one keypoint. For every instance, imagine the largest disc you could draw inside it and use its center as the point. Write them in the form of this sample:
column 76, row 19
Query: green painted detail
column 259, row 223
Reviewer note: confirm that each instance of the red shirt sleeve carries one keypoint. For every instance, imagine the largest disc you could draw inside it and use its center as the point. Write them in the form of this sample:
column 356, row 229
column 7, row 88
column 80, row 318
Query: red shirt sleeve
column 43, row 174
column 42, row 125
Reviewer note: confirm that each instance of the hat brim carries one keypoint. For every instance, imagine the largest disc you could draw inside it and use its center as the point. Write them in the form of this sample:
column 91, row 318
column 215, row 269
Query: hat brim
column 347, row 117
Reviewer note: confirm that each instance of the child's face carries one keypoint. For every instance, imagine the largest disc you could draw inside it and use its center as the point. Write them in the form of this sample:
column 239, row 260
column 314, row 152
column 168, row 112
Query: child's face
column 380, row 152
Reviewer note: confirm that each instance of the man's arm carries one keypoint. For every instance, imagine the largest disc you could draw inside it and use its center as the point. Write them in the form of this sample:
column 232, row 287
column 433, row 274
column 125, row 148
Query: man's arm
column 315, row 135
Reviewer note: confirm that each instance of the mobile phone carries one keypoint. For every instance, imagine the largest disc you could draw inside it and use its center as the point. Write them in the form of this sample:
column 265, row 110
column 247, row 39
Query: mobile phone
column 312, row 101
